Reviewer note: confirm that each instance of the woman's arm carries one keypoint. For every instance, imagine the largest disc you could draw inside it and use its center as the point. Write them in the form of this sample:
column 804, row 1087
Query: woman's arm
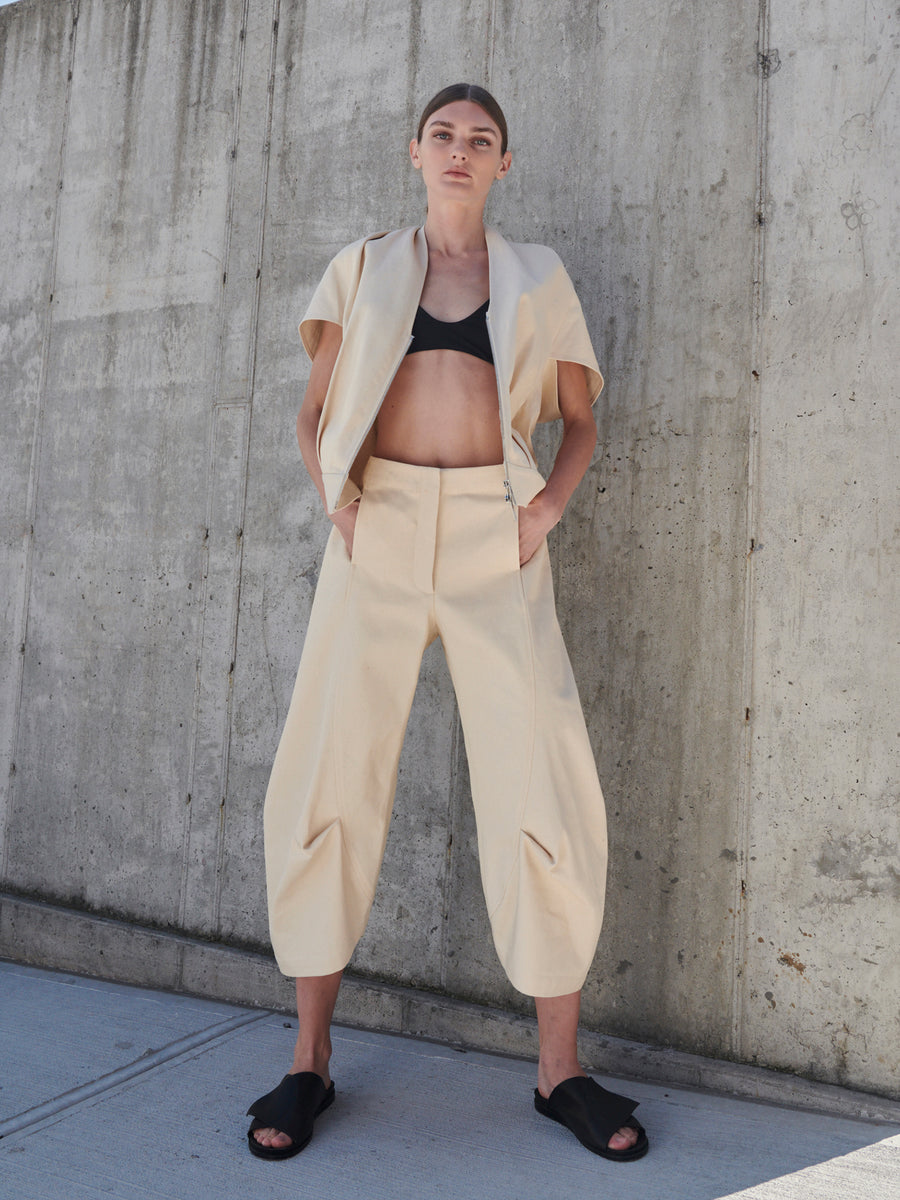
column 308, row 423
column 572, row 460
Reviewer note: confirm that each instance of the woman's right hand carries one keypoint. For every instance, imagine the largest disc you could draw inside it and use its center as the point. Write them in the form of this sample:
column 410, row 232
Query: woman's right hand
column 345, row 520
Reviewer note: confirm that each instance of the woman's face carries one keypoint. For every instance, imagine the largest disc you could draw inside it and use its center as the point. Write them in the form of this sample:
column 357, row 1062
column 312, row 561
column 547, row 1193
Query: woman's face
column 459, row 154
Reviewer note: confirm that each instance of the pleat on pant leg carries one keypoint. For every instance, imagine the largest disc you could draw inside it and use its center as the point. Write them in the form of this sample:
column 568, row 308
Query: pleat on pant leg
column 330, row 795
column 558, row 883
column 538, row 803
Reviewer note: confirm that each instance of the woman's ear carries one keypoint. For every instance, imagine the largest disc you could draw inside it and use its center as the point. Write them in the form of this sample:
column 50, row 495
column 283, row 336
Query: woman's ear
column 505, row 164
column 414, row 154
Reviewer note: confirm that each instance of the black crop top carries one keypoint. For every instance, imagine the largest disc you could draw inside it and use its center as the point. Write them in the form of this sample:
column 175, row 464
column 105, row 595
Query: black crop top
column 470, row 335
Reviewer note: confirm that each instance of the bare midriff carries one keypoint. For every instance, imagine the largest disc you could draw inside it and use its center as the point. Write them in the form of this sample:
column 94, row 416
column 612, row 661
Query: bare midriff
column 441, row 411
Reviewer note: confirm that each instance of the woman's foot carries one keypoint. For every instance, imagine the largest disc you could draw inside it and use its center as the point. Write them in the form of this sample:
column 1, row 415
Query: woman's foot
column 284, row 1118
column 602, row 1121
column 276, row 1139
column 549, row 1075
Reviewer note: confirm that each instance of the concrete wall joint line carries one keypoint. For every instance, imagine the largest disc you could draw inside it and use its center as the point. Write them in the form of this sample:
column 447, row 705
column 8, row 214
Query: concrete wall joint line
column 263, row 202
column 253, row 336
column 489, row 55
column 215, row 412
column 35, row 465
column 754, row 384
column 247, row 405
column 237, row 566
column 88, row 1091
column 195, row 714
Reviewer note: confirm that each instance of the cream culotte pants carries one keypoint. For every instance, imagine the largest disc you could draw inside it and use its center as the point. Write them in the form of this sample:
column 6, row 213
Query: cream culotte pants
column 435, row 553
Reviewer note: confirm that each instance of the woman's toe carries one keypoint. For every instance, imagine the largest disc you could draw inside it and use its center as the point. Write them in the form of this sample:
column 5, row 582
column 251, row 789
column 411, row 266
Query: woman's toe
column 272, row 1137
column 623, row 1139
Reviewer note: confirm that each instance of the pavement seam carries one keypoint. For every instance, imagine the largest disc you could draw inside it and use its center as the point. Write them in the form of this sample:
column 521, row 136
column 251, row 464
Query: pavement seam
column 106, row 1083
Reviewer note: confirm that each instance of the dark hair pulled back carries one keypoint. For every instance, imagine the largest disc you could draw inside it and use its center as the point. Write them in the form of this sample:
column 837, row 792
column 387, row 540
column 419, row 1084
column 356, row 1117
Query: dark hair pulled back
column 466, row 91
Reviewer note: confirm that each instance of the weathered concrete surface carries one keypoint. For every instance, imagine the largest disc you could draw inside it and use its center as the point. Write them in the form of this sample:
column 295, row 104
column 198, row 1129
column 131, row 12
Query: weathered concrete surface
column 135, row 436
column 34, row 61
column 718, row 181
column 823, row 818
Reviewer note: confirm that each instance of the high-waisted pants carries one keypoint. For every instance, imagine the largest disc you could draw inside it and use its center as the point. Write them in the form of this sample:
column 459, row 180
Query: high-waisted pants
column 435, row 554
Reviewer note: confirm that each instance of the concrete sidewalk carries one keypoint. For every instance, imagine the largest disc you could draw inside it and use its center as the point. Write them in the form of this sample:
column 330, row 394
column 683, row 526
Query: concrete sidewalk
column 122, row 1092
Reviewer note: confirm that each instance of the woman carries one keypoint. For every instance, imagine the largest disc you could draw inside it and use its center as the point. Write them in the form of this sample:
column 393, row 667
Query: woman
column 434, row 353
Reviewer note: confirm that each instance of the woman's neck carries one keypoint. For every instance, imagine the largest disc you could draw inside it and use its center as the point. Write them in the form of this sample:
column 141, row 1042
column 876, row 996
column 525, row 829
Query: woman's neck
column 454, row 230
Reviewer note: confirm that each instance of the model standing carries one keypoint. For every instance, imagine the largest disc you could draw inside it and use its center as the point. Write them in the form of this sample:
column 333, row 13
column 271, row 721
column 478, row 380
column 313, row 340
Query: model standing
column 435, row 351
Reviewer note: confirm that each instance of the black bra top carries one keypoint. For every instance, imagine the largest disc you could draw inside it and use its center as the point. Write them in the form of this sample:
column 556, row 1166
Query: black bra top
column 470, row 335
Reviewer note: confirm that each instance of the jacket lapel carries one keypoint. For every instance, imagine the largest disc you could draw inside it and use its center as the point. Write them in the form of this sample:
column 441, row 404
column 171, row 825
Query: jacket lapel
column 393, row 277
column 506, row 289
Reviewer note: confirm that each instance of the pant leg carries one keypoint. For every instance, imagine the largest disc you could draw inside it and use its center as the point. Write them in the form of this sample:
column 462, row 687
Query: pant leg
column 538, row 803
column 332, row 786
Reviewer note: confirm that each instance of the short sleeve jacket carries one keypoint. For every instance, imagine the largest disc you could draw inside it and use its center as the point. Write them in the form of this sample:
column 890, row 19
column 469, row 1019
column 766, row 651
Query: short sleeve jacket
column 371, row 289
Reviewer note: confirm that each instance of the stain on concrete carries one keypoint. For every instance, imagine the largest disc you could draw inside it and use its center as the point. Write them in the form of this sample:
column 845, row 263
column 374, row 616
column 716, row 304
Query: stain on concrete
column 857, row 132
column 768, row 61
column 862, row 864
column 857, row 212
column 791, row 960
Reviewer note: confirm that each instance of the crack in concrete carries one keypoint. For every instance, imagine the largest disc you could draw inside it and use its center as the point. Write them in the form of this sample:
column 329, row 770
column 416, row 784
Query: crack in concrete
column 105, row 1083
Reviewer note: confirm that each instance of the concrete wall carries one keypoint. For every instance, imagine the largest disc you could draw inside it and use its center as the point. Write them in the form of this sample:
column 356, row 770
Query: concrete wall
column 719, row 182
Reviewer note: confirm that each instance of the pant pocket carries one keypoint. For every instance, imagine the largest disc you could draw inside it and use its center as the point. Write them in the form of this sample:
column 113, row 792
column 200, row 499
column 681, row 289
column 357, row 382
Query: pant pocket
column 357, row 530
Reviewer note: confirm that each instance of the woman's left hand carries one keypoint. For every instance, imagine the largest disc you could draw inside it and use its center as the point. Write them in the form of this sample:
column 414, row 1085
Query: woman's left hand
column 535, row 522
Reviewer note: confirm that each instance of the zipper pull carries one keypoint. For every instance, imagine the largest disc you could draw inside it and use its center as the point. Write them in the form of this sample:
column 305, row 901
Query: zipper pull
column 510, row 498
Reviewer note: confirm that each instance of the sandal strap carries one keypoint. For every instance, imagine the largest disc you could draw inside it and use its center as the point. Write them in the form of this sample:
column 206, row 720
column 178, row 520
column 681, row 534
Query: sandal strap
column 582, row 1104
column 291, row 1107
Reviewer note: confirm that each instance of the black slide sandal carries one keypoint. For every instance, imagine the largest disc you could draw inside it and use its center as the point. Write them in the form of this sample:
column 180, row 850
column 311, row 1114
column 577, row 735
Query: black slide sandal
column 593, row 1114
column 291, row 1108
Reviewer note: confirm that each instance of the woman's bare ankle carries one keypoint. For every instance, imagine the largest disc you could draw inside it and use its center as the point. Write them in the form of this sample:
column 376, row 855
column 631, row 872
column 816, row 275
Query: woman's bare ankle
column 554, row 1070
column 315, row 1059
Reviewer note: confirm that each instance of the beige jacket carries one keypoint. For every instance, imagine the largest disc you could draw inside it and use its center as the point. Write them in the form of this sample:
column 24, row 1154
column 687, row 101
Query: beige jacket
column 372, row 289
